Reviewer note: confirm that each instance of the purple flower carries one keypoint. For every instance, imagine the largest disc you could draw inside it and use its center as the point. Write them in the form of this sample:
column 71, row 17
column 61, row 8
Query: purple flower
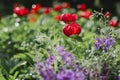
column 79, row 75
column 70, row 75
column 68, row 59
column 107, row 42
column 61, row 50
column 76, row 67
column 118, row 77
column 69, row 70
column 38, row 65
column 46, row 71
column 98, row 43
column 102, row 77
column 65, row 75
column 48, row 74
column 106, row 48
column 50, row 59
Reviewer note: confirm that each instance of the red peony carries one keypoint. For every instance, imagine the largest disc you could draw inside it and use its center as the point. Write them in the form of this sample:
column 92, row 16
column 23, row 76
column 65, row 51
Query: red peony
column 65, row 5
column 85, row 14
column 36, row 7
column 69, row 17
column 46, row 10
column 75, row 16
column 82, row 7
column 21, row 11
column 72, row 29
column 114, row 23
column 57, row 7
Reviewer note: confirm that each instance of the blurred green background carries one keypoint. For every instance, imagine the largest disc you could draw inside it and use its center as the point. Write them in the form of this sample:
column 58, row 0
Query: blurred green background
column 6, row 6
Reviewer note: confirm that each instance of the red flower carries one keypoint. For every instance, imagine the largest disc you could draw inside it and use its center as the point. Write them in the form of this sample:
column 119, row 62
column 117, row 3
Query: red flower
column 114, row 23
column 65, row 5
column 69, row 17
column 46, row 10
column 82, row 7
column 21, row 11
column 85, row 14
column 57, row 7
column 107, row 14
column 57, row 17
column 36, row 7
column 75, row 16
column 72, row 29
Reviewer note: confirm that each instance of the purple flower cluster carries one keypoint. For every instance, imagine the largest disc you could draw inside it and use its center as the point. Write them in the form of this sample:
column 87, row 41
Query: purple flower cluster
column 65, row 72
column 70, row 75
column 67, row 58
column 48, row 74
column 106, row 42
column 50, row 60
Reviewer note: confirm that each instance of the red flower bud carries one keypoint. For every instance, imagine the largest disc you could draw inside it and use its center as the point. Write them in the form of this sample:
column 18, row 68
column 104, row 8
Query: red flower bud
column 114, row 23
column 36, row 7
column 82, row 7
column 72, row 29
column 65, row 5
column 21, row 11
column 85, row 14
column 46, row 10
column 69, row 17
column 57, row 7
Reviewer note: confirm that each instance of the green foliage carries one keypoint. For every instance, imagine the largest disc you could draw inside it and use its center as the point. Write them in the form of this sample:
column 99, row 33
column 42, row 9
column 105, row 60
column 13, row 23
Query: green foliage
column 23, row 42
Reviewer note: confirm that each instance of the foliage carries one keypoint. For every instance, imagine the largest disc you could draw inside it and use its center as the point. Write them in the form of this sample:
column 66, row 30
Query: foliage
column 24, row 42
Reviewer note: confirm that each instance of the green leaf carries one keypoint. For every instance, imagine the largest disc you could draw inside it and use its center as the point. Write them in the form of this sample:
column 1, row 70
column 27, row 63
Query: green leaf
column 19, row 56
column 1, row 77
column 12, row 70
